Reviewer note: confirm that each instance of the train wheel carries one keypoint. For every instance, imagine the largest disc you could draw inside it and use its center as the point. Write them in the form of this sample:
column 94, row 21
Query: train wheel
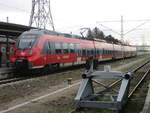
column 57, row 66
column 46, row 69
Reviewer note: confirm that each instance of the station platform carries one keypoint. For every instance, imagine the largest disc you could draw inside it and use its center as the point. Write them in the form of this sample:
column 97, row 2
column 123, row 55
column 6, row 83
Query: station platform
column 146, row 108
column 4, row 68
column 5, row 71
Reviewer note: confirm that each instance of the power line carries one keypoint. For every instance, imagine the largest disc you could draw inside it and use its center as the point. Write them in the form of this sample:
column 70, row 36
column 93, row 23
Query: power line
column 110, row 29
column 123, row 21
column 136, row 27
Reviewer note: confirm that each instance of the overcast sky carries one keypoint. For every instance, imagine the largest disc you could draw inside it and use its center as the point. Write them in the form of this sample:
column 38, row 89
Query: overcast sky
column 71, row 15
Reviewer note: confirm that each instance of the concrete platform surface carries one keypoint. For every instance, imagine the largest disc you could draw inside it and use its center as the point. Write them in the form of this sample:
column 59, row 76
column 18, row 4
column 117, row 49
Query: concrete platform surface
column 146, row 108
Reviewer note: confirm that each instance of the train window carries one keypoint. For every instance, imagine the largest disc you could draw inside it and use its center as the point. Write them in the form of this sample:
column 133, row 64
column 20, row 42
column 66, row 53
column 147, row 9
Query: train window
column 78, row 49
column 72, row 48
column 58, row 48
column 51, row 48
column 88, row 52
column 109, row 52
column 92, row 52
column 100, row 52
column 65, row 48
column 80, row 52
column 45, row 47
column 75, row 48
column 26, row 43
column 97, row 52
column 83, row 52
column 104, row 52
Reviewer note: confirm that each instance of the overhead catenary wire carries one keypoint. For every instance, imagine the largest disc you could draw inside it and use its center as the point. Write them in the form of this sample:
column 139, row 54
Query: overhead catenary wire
column 136, row 27
column 123, row 21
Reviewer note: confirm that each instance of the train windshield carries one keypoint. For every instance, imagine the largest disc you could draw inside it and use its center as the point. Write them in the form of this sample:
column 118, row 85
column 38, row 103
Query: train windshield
column 26, row 41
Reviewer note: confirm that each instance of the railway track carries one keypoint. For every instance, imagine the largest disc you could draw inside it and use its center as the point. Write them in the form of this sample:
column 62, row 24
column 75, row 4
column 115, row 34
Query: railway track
column 9, row 80
column 12, row 76
column 15, row 77
column 77, row 110
column 140, row 73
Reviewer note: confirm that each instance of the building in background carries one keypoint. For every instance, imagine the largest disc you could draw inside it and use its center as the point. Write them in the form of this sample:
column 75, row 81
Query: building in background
column 3, row 46
column 142, row 49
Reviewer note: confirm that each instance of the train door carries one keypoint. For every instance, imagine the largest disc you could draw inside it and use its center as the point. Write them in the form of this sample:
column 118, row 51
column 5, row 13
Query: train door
column 113, row 52
column 50, row 52
column 65, row 55
column 72, row 52
column 79, row 55
column 103, row 53
column 45, row 52
column 78, row 52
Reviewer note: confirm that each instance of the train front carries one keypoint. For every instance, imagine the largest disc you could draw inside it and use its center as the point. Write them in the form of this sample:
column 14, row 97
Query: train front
column 24, row 51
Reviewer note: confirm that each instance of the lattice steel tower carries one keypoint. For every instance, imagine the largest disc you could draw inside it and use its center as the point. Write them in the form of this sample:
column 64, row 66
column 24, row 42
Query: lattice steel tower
column 41, row 15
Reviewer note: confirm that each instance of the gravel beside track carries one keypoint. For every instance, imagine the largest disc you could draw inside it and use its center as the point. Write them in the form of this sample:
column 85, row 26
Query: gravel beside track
column 34, row 87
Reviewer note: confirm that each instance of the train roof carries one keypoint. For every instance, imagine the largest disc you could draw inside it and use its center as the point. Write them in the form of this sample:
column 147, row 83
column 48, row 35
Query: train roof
column 66, row 35
column 48, row 32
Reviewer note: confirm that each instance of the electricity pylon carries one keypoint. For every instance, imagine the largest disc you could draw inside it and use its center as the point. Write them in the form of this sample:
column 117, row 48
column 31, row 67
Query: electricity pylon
column 41, row 15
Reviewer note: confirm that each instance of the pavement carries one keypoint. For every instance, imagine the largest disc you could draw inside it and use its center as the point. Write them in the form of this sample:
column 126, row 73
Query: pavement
column 4, row 70
column 146, row 108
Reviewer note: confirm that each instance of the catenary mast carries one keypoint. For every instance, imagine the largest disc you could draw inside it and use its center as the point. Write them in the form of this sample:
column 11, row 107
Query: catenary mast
column 41, row 16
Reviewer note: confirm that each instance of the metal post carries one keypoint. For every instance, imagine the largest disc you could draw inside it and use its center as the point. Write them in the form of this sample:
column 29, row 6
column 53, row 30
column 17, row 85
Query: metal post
column 122, row 33
column 90, row 97
column 121, row 27
column 7, row 47
column 41, row 15
column 7, row 51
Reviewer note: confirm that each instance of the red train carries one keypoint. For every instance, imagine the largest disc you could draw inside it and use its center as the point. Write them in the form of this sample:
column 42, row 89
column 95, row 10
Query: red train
column 42, row 48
